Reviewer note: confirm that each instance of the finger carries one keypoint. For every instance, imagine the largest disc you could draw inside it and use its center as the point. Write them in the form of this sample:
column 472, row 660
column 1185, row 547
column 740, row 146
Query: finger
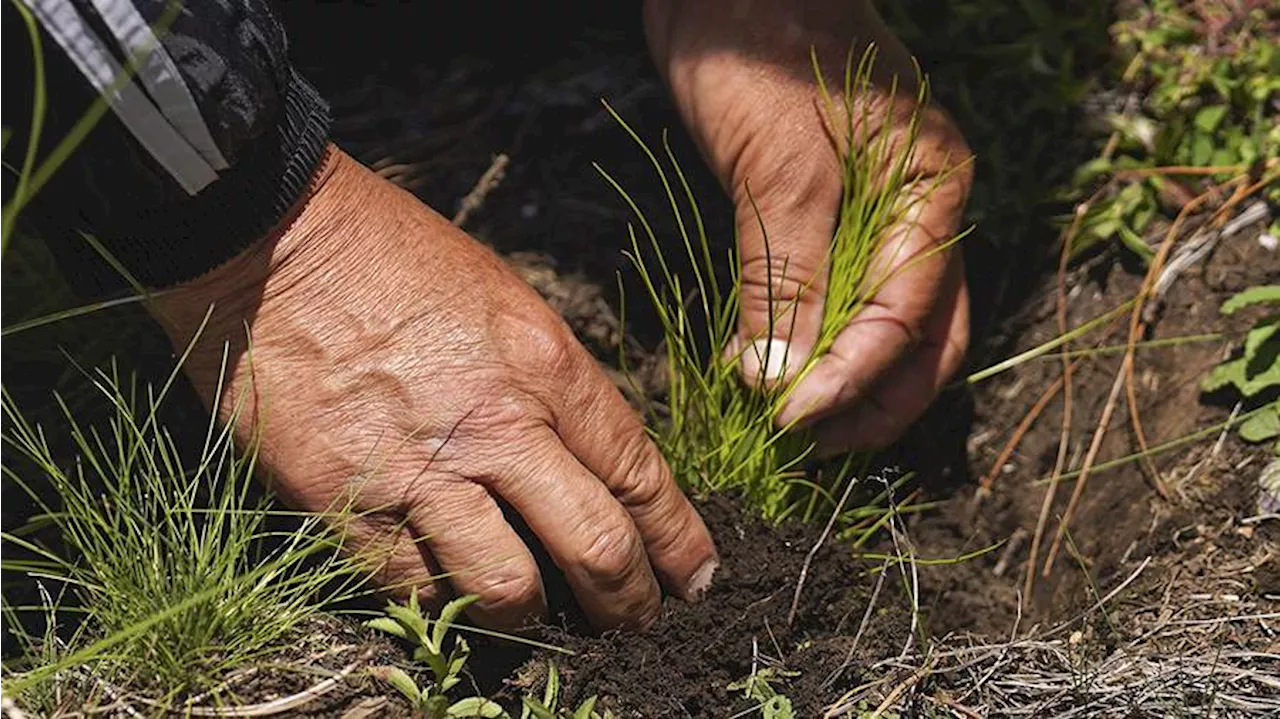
column 784, row 220
column 400, row 562
column 586, row 532
column 907, row 390
column 912, row 268
column 463, row 528
column 607, row 437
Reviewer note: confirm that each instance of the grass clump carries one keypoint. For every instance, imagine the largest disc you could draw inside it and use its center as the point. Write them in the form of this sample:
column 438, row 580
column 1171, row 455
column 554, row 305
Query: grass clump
column 717, row 432
column 173, row 569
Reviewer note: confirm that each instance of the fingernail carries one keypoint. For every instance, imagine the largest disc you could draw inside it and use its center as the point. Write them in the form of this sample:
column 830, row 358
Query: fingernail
column 701, row 581
column 767, row 358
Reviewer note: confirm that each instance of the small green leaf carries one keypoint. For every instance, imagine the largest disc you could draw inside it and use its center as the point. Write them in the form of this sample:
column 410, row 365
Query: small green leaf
column 1262, row 346
column 1224, row 157
column 552, row 692
column 1201, row 149
column 1089, row 170
column 447, row 616
column 1248, row 151
column 1136, row 244
column 457, row 660
column 1251, row 296
column 1106, row 228
column 476, row 707
column 777, row 707
column 1262, row 426
column 1230, row 372
column 586, row 710
column 1128, row 198
column 1208, row 118
column 1142, row 216
column 1254, row 383
column 413, row 622
column 537, row 709
column 388, row 625
column 403, row 683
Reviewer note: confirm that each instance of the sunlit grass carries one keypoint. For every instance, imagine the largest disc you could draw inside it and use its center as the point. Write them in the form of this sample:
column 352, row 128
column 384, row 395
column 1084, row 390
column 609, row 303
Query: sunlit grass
column 718, row 432
column 172, row 571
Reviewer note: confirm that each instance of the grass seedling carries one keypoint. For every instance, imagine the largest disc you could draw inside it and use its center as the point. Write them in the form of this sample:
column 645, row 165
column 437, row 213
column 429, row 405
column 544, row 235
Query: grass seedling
column 717, row 432
column 172, row 566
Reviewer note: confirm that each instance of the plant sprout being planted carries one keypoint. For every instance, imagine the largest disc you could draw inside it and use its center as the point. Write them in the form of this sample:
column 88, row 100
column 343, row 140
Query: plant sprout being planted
column 719, row 432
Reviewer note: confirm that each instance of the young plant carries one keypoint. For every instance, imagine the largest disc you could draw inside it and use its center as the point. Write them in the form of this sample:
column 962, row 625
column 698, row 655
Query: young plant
column 1257, row 370
column 548, row 707
column 171, row 565
column 1207, row 102
column 408, row 622
column 718, row 433
column 771, row 703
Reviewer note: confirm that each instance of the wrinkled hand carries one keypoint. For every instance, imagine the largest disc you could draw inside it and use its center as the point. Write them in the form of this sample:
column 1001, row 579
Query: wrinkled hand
column 740, row 74
column 397, row 361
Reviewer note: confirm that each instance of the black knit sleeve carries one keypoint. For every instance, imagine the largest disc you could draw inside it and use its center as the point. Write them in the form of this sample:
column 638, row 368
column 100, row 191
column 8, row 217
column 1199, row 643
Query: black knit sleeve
column 208, row 144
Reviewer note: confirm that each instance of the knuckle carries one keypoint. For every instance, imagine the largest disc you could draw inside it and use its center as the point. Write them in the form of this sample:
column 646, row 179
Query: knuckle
column 613, row 556
column 542, row 344
column 911, row 328
column 507, row 591
column 641, row 474
column 777, row 277
column 783, row 181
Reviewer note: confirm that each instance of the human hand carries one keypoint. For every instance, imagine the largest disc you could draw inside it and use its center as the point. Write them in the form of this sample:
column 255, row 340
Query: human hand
column 741, row 76
column 396, row 361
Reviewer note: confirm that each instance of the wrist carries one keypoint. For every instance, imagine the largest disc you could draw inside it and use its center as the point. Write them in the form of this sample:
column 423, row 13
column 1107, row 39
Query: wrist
column 316, row 240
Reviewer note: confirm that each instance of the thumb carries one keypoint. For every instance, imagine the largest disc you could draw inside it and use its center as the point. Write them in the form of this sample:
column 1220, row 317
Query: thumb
column 784, row 236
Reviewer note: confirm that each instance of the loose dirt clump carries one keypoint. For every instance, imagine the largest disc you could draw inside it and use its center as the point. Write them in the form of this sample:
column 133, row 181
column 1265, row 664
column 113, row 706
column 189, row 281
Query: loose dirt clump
column 685, row 663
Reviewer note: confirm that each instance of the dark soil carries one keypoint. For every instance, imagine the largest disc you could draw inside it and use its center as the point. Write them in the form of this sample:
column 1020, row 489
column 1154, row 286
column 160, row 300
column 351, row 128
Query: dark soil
column 429, row 100
column 687, row 660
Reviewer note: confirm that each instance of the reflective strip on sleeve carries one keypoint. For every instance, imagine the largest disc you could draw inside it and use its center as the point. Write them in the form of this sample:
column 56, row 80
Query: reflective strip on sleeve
column 160, row 76
column 134, row 109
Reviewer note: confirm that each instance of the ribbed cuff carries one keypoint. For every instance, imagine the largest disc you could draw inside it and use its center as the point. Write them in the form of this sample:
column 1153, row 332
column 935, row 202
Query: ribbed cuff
column 171, row 245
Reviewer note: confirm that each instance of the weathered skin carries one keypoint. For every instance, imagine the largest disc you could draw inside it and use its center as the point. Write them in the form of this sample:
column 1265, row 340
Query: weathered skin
column 396, row 361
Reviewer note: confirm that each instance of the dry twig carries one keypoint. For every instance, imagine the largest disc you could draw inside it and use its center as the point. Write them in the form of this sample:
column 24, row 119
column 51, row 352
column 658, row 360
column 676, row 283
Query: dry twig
column 487, row 183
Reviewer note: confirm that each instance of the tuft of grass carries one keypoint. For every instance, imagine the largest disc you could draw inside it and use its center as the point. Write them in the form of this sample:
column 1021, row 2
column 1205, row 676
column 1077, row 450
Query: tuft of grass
column 174, row 569
column 717, row 432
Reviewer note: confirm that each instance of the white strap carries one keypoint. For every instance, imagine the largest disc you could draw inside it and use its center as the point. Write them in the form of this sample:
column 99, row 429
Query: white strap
column 129, row 103
column 160, row 76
